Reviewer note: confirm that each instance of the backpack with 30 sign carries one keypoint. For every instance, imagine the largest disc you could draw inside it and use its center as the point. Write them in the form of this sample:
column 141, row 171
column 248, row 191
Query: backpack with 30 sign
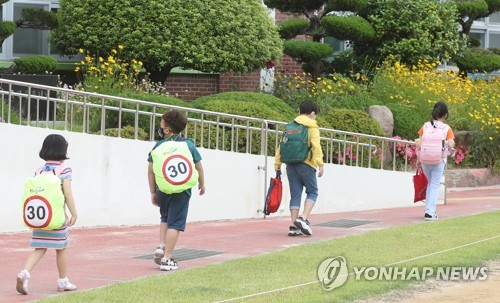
column 173, row 167
column 43, row 201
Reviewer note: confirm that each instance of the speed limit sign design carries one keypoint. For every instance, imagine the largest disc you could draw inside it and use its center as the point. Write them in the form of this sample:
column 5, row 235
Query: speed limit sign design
column 177, row 169
column 37, row 212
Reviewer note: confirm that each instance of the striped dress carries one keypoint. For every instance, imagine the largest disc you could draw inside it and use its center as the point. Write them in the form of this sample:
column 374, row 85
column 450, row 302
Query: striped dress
column 57, row 238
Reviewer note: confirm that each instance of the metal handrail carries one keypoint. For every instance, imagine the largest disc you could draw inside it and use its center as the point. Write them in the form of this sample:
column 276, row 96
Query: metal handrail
column 77, row 110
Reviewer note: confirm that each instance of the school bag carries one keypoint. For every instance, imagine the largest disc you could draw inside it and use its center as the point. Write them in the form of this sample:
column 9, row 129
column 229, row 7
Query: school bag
column 433, row 146
column 43, row 201
column 294, row 145
column 173, row 167
column 274, row 195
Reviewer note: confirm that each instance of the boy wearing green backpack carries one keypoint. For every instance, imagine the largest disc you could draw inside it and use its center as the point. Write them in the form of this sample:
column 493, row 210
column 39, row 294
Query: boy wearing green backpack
column 174, row 168
column 300, row 150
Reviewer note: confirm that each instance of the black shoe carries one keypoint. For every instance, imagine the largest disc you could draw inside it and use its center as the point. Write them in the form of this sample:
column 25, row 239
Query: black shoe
column 303, row 225
column 294, row 231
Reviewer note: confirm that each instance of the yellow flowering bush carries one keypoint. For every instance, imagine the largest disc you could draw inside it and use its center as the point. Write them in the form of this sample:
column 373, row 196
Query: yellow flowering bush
column 107, row 75
column 473, row 103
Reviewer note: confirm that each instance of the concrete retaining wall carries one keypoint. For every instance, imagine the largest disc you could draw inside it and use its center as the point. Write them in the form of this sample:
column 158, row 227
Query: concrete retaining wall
column 110, row 182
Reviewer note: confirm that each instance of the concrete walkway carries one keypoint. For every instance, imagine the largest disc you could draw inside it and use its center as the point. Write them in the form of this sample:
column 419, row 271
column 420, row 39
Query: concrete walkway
column 102, row 256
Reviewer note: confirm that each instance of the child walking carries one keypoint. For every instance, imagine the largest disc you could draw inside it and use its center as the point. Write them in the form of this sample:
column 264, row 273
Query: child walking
column 54, row 150
column 174, row 168
column 303, row 175
column 434, row 171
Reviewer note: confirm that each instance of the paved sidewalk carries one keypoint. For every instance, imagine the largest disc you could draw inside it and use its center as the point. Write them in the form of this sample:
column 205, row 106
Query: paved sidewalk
column 97, row 255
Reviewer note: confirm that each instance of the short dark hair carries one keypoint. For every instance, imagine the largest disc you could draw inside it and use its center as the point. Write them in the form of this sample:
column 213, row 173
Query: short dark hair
column 440, row 111
column 175, row 120
column 308, row 106
column 54, row 147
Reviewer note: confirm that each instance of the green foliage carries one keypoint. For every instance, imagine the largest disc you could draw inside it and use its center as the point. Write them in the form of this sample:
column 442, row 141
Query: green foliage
column 358, row 101
column 35, row 64
column 145, row 122
column 7, row 28
column 127, row 132
column 38, row 18
column 307, row 51
column 211, row 36
column 485, row 150
column 353, row 121
column 353, row 28
column 295, row 6
column 347, row 5
column 478, row 59
column 471, row 8
column 407, row 121
column 292, row 27
column 255, row 105
column 413, row 30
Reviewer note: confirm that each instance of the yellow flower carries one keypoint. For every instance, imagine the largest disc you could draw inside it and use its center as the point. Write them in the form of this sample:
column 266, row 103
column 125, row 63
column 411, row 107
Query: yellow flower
column 114, row 51
column 101, row 59
column 80, row 50
column 120, row 46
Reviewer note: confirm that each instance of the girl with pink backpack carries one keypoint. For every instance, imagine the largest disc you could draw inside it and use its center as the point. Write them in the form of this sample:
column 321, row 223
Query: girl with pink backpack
column 436, row 138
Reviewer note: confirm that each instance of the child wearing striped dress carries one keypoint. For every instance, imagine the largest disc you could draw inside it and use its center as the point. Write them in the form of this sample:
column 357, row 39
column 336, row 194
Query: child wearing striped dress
column 53, row 151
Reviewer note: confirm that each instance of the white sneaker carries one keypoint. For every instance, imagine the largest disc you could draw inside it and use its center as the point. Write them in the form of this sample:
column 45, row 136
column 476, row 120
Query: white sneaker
column 65, row 285
column 159, row 254
column 303, row 225
column 168, row 264
column 22, row 282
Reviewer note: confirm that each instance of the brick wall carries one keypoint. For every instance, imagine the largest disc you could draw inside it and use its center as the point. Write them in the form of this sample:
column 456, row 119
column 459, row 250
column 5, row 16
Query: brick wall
column 191, row 86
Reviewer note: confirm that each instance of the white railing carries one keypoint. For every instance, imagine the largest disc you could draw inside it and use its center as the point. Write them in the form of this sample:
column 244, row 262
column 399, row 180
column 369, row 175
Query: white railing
column 79, row 111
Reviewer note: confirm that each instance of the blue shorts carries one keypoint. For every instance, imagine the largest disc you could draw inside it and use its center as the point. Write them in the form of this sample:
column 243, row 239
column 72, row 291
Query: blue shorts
column 301, row 175
column 174, row 209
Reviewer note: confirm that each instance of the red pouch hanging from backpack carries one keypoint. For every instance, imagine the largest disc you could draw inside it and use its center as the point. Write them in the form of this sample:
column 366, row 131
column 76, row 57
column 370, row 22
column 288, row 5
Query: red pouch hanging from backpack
column 420, row 185
column 274, row 194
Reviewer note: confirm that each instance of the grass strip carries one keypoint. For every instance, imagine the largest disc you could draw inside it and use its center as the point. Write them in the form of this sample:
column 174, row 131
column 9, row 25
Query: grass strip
column 297, row 265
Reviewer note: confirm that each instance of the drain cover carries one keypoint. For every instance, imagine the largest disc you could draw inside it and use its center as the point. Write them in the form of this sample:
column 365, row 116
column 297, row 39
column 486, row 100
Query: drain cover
column 183, row 254
column 344, row 223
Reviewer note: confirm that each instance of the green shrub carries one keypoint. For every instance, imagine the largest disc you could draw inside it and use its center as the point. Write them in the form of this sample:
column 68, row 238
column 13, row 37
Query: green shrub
column 35, row 65
column 407, row 121
column 348, row 28
column 307, row 51
column 144, row 121
column 478, row 60
column 292, row 27
column 358, row 122
column 353, row 121
column 7, row 28
column 485, row 150
column 127, row 132
column 255, row 105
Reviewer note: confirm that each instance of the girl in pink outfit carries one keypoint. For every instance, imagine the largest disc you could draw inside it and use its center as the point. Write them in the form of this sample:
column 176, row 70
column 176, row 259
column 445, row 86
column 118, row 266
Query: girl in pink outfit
column 53, row 151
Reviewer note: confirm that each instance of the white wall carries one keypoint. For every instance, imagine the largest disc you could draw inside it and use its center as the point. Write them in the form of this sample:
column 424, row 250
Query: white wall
column 110, row 182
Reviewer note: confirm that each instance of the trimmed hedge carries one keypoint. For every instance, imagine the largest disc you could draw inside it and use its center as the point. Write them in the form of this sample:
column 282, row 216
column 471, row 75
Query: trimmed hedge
column 293, row 27
column 407, row 121
column 353, row 121
column 255, row 105
column 478, row 60
column 35, row 65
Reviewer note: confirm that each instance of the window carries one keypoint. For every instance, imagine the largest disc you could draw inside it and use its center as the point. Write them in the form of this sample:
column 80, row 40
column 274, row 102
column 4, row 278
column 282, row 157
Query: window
column 495, row 18
column 28, row 41
column 478, row 36
column 494, row 40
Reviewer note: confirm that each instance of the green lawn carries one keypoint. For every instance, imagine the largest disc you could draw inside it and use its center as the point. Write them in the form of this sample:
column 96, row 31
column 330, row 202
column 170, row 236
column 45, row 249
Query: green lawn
column 298, row 265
